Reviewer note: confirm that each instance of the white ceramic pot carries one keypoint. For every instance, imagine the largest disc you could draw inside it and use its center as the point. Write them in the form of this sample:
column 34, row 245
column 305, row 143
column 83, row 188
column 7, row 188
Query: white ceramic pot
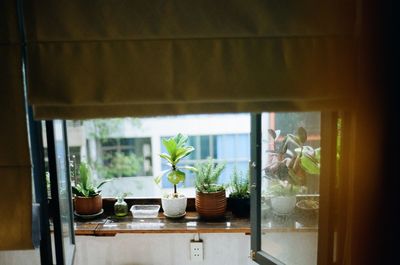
column 174, row 206
column 283, row 205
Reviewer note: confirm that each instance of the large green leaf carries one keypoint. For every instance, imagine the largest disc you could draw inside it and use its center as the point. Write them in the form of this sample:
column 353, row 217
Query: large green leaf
column 193, row 169
column 302, row 135
column 176, row 176
column 309, row 164
column 180, row 140
column 85, row 175
column 167, row 157
column 183, row 152
column 170, row 145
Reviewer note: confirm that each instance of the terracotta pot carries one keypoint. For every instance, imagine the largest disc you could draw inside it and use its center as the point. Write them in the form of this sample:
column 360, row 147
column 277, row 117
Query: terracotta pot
column 211, row 205
column 87, row 206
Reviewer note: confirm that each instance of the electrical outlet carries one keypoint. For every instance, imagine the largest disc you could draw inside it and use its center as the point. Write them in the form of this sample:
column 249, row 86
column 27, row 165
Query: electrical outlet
column 196, row 251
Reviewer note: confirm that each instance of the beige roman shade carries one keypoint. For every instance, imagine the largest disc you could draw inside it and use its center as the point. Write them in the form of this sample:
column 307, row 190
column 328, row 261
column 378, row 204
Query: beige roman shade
column 135, row 58
column 15, row 165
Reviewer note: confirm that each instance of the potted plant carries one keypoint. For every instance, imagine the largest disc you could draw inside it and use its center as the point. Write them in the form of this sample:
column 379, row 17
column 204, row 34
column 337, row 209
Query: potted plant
column 210, row 197
column 87, row 199
column 174, row 205
column 289, row 163
column 239, row 198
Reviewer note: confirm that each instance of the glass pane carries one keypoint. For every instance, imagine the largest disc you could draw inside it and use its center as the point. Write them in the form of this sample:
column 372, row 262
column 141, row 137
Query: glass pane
column 127, row 150
column 290, row 186
column 109, row 142
column 64, row 193
column 127, row 141
column 204, row 147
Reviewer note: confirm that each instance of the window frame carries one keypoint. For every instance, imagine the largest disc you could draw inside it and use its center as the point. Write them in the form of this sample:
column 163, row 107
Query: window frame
column 54, row 156
column 326, row 222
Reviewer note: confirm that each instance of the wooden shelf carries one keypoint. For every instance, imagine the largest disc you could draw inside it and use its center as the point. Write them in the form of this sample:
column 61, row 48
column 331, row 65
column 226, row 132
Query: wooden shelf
column 190, row 223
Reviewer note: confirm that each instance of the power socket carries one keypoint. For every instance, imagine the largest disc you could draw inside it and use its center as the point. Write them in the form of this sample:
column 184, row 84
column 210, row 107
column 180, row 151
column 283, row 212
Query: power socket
column 196, row 250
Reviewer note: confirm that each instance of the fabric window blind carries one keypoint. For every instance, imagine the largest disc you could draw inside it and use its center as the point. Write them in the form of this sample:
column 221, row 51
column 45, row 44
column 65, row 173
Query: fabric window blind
column 98, row 58
column 15, row 165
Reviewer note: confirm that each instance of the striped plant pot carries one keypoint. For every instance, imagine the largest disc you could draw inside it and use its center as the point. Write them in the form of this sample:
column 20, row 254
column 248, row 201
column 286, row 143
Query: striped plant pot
column 211, row 205
column 88, row 206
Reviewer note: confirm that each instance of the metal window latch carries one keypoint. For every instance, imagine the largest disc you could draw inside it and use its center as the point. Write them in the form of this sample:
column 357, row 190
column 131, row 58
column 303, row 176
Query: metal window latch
column 252, row 165
column 252, row 255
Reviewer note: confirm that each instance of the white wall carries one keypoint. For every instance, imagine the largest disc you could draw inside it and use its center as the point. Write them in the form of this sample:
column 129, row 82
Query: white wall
column 20, row 257
column 162, row 249
column 293, row 248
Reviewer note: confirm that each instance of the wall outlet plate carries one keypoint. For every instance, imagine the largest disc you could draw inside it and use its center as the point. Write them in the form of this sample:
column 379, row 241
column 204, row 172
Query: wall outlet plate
column 196, row 251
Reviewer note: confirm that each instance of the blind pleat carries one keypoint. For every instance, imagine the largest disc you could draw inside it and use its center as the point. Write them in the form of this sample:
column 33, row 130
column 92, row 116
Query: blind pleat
column 15, row 165
column 142, row 110
column 96, row 20
column 129, row 55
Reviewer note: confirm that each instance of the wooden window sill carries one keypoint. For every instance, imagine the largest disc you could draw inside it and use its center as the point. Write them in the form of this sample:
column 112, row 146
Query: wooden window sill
column 190, row 223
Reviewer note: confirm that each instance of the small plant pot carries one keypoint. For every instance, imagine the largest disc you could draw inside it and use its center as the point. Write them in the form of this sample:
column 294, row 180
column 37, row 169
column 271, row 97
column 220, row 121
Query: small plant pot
column 283, row 205
column 174, row 207
column 240, row 206
column 87, row 206
column 211, row 205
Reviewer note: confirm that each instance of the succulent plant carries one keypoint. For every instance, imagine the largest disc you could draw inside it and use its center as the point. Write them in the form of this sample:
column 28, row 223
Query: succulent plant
column 86, row 188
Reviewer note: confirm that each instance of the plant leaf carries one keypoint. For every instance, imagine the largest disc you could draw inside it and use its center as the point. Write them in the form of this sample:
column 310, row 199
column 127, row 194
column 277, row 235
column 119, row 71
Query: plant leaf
column 102, row 183
column 302, row 135
column 158, row 179
column 85, row 175
column 294, row 139
column 180, row 140
column 309, row 164
column 176, row 176
column 183, row 152
column 272, row 133
column 170, row 145
column 77, row 192
column 167, row 157
column 190, row 168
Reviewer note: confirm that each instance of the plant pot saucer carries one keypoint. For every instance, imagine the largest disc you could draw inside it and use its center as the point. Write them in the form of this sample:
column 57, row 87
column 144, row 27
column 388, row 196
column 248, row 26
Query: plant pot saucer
column 89, row 216
column 175, row 216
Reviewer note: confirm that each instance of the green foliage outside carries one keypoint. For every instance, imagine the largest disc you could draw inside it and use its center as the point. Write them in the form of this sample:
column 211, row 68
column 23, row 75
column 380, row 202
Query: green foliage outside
column 240, row 185
column 103, row 128
column 120, row 165
column 207, row 176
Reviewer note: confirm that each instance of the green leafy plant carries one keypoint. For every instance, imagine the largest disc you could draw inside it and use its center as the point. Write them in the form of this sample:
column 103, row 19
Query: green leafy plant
column 239, row 185
column 86, row 188
column 207, row 176
column 177, row 149
column 290, row 161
